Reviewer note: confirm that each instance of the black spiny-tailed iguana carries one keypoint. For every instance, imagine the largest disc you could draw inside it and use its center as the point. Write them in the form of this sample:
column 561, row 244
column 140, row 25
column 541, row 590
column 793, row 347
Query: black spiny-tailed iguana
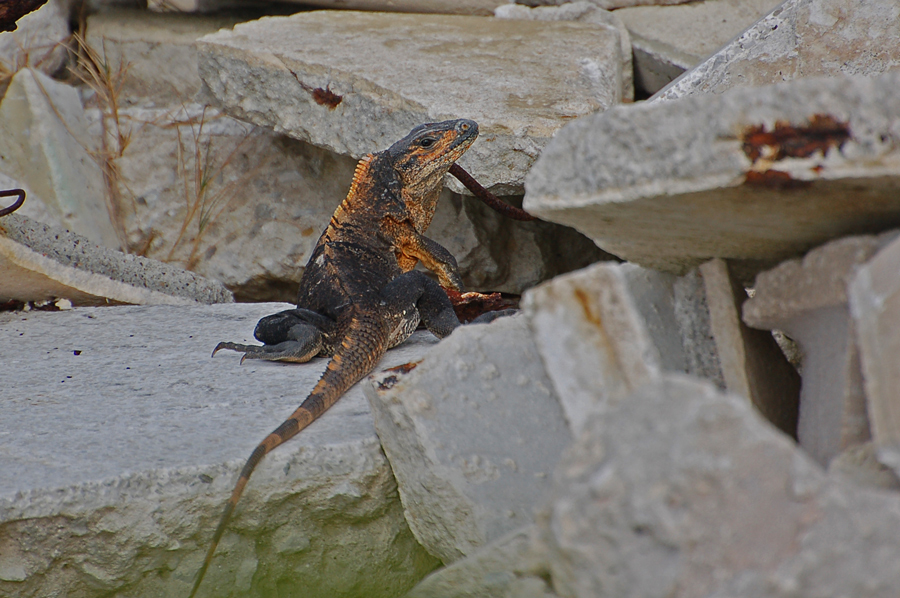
column 359, row 294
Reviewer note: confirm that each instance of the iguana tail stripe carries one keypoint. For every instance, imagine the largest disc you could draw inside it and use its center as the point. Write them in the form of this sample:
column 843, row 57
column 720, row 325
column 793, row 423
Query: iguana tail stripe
column 356, row 357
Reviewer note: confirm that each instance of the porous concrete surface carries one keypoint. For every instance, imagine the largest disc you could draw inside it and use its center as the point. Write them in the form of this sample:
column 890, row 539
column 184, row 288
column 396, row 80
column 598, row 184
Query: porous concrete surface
column 584, row 12
column 807, row 299
column 122, row 440
column 38, row 41
column 462, row 7
column 144, row 41
column 668, row 40
column 605, row 4
column 509, row 567
column 39, row 263
column 680, row 490
column 472, row 432
column 606, row 330
column 800, row 38
column 671, row 184
column 874, row 294
column 45, row 144
column 355, row 82
column 753, row 365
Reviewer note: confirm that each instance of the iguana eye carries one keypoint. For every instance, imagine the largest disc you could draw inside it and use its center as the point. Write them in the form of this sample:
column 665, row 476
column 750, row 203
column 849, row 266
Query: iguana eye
column 427, row 142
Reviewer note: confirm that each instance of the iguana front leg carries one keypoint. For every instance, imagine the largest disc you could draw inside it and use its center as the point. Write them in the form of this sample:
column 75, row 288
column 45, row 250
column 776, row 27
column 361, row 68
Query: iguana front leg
column 409, row 243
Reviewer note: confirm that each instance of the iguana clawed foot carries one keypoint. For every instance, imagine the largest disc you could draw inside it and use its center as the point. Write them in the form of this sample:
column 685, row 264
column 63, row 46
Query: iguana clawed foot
column 293, row 335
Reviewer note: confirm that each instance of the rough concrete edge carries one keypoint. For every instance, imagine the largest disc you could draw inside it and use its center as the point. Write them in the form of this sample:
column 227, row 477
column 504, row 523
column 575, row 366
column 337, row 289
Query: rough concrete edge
column 386, row 408
column 752, row 37
column 89, row 267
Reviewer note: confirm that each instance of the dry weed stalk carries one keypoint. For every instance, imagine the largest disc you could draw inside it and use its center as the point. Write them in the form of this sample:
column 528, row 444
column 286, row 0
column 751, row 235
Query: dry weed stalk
column 200, row 170
column 96, row 72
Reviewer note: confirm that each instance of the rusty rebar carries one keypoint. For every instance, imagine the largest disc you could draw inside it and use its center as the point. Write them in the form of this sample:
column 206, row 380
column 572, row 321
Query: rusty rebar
column 487, row 197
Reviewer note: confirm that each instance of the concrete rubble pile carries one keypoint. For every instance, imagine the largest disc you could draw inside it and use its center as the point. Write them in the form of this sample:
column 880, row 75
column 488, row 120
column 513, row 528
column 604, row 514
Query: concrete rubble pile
column 698, row 398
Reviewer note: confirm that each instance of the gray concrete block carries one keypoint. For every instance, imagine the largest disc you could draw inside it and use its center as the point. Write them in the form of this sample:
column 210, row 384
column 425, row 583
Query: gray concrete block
column 461, row 7
column 45, row 144
column 753, row 365
column 669, row 40
column 681, row 490
column 509, row 567
column 144, row 42
column 316, row 77
column 800, row 38
column 807, row 299
column 38, row 41
column 604, row 331
column 122, row 439
column 671, row 184
column 874, row 293
column 472, row 432
column 38, row 263
column 583, row 12
column 605, row 4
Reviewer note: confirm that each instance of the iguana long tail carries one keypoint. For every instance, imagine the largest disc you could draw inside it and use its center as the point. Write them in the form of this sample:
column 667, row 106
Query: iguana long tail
column 365, row 342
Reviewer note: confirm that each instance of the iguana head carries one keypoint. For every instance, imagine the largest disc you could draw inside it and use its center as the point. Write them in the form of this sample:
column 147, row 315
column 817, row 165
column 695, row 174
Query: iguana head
column 423, row 157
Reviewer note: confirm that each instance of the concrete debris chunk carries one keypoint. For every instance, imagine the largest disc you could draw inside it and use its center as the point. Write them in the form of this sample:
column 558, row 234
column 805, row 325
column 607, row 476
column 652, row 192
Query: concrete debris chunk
column 355, row 82
column 752, row 363
column 874, row 294
column 472, row 432
column 668, row 40
column 800, row 38
column 583, row 12
column 461, row 7
column 681, row 490
column 121, row 441
column 44, row 143
column 142, row 42
column 38, row 41
column 509, row 567
column 605, row 4
column 755, row 175
column 606, row 330
column 38, row 263
column 807, row 299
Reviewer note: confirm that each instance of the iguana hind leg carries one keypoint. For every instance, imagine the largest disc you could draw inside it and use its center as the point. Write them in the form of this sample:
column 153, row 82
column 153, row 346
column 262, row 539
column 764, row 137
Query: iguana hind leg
column 288, row 336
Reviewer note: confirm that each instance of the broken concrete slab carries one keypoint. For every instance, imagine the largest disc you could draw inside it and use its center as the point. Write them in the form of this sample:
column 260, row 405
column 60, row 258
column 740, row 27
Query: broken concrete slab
column 122, row 440
column 45, row 144
column 143, row 42
column 509, row 567
column 681, row 490
column 472, row 445
column 800, row 38
column 38, row 263
column 606, row 330
column 671, row 184
column 355, row 82
column 460, row 7
column 38, row 42
column 807, row 299
column 583, row 12
column 605, row 4
column 753, row 365
column 668, row 40
column 873, row 295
